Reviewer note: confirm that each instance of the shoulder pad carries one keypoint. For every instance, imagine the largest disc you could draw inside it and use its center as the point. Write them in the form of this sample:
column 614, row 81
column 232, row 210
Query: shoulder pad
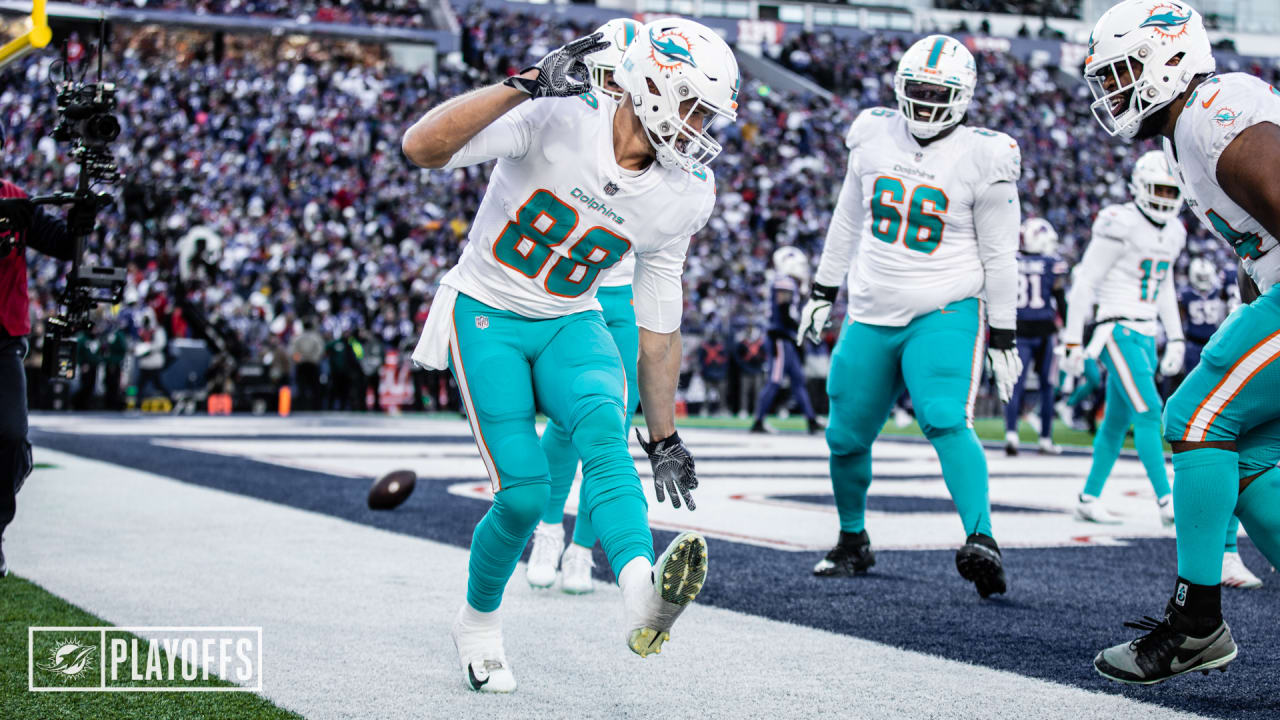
column 1224, row 106
column 868, row 122
column 1114, row 222
column 1000, row 154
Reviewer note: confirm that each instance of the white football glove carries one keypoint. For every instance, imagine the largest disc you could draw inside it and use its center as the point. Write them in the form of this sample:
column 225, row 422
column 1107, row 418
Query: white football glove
column 1006, row 365
column 1073, row 361
column 816, row 313
column 1171, row 363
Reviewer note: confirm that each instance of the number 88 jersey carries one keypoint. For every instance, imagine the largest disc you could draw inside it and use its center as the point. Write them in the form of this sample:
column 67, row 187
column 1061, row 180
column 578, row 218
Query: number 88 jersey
column 559, row 213
column 919, row 249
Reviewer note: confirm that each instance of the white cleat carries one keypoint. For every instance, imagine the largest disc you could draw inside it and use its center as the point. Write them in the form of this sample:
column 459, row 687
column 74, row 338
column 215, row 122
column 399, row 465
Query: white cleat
column 1066, row 413
column 1089, row 509
column 1166, row 510
column 484, row 663
column 1011, row 443
column 677, row 578
column 1236, row 575
column 575, row 570
column 1048, row 448
column 544, row 559
column 901, row 418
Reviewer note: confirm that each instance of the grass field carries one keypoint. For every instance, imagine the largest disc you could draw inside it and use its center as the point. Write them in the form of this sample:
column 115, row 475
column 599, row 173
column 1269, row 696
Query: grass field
column 24, row 604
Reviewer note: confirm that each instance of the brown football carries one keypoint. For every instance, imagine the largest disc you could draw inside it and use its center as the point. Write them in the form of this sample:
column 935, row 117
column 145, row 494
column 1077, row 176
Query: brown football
column 392, row 489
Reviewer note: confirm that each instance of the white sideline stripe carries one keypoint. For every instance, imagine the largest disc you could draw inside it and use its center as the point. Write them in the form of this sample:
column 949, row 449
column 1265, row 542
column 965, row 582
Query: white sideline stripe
column 1126, row 377
column 356, row 620
column 975, row 372
column 1229, row 386
column 464, row 389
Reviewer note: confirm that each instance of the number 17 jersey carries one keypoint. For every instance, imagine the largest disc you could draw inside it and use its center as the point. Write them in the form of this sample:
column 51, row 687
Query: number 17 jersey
column 559, row 213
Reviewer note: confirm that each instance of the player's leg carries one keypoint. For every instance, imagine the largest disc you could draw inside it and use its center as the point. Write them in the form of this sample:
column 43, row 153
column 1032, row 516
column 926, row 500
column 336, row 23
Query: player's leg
column 799, row 393
column 1013, row 410
column 942, row 368
column 1259, row 450
column 1121, row 396
column 864, row 381
column 486, row 354
column 1046, row 368
column 775, row 370
column 1133, row 356
column 548, row 537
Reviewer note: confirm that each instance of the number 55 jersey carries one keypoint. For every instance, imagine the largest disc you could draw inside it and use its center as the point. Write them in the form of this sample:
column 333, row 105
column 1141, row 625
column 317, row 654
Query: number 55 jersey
column 559, row 212
column 918, row 248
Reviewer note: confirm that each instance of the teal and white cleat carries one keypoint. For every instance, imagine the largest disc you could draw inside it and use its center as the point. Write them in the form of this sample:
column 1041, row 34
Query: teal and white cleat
column 575, row 570
column 484, row 662
column 544, row 558
column 1236, row 575
column 677, row 578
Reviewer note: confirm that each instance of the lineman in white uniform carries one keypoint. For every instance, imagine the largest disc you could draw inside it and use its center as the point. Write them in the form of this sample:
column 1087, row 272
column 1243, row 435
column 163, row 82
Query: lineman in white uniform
column 926, row 227
column 1128, row 271
column 1150, row 68
column 575, row 190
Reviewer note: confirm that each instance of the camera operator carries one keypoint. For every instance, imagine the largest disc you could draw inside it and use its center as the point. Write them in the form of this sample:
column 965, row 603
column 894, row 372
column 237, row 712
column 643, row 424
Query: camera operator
column 22, row 226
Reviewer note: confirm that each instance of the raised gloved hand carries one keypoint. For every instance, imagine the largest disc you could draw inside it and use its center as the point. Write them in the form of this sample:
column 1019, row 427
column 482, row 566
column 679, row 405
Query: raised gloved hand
column 816, row 313
column 562, row 73
column 1073, row 360
column 1006, row 365
column 672, row 469
column 1171, row 362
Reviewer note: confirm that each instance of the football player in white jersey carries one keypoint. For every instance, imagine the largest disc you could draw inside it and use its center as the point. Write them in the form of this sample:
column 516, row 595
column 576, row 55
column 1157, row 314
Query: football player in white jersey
column 1128, row 271
column 616, row 298
column 926, row 228
column 579, row 184
column 1151, row 70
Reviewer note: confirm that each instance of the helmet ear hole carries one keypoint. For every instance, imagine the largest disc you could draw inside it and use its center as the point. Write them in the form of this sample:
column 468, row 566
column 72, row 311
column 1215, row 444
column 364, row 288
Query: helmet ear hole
column 653, row 89
column 1173, row 61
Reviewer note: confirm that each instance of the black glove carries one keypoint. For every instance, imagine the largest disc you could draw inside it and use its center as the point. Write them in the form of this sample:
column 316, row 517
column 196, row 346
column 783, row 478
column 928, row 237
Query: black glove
column 562, row 73
column 80, row 219
column 672, row 469
column 16, row 214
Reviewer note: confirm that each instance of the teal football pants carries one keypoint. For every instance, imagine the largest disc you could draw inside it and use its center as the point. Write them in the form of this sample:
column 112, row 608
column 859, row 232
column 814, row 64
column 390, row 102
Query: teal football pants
column 562, row 457
column 938, row 359
column 502, row 362
column 1132, row 399
column 1231, row 396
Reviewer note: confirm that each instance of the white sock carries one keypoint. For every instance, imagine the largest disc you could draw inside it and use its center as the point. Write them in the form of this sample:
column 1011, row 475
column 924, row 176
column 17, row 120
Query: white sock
column 474, row 619
column 557, row 528
column 1087, row 498
column 636, row 579
column 1011, row 437
column 576, row 549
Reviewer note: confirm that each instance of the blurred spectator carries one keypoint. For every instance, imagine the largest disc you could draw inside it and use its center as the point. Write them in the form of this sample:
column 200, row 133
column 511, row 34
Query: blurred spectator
column 307, row 350
column 713, row 363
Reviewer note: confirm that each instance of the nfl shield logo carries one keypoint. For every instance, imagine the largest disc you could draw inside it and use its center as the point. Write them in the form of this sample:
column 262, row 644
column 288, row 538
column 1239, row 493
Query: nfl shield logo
column 482, row 322
column 610, row 188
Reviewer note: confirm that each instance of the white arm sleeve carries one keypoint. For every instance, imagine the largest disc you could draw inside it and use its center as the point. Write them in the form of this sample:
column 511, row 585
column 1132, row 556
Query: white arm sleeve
column 1167, row 307
column 1102, row 253
column 510, row 136
column 844, row 233
column 996, row 217
column 659, row 297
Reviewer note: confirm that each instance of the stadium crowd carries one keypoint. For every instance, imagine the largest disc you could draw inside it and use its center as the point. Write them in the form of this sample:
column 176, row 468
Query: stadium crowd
column 394, row 13
column 267, row 203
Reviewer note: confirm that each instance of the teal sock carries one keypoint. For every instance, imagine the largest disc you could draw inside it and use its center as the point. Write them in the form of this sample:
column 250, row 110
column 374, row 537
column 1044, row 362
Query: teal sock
column 1205, row 491
column 1259, row 512
column 1233, row 532
column 498, row 541
column 612, row 500
column 583, row 533
column 562, row 461
column 1106, row 450
column 850, row 481
column 964, row 469
column 1147, row 438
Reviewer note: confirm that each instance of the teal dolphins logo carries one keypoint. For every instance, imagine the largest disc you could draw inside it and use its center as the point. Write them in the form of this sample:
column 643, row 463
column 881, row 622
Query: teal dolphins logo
column 1226, row 116
column 671, row 50
column 1166, row 20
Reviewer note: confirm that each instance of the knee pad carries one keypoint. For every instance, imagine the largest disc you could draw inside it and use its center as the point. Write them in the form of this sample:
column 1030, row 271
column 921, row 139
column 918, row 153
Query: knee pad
column 518, row 457
column 601, row 438
column 939, row 417
column 843, row 439
column 520, row 508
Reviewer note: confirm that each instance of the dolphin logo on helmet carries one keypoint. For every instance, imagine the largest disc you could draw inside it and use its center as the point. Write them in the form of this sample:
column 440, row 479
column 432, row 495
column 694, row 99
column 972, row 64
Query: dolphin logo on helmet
column 670, row 49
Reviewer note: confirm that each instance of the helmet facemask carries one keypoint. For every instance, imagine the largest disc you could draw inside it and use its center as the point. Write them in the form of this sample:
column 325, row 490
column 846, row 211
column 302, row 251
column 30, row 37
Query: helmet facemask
column 684, row 138
column 1161, row 202
column 602, row 79
column 1123, row 96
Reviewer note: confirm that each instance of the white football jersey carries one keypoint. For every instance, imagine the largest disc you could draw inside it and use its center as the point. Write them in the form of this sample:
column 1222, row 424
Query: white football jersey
column 1220, row 109
column 1128, row 271
column 919, row 248
column 559, row 213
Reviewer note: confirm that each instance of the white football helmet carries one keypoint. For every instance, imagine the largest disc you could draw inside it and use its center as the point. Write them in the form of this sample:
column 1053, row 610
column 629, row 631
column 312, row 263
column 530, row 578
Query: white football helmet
column 673, row 61
column 1150, row 173
column 934, row 84
column 1143, row 54
column 619, row 33
column 1039, row 237
column 792, row 262
column 1203, row 275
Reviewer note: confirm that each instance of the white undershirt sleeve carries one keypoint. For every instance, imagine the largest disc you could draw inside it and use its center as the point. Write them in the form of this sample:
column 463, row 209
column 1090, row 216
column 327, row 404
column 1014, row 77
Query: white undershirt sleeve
column 1167, row 307
column 844, row 233
column 510, row 136
column 659, row 297
column 1102, row 253
column 996, row 217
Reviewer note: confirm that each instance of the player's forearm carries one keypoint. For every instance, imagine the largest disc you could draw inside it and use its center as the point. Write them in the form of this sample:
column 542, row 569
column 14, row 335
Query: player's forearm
column 445, row 129
column 658, row 370
column 1167, row 307
column 842, row 235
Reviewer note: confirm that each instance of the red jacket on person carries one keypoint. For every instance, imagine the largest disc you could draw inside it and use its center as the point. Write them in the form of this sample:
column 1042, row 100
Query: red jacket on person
column 48, row 235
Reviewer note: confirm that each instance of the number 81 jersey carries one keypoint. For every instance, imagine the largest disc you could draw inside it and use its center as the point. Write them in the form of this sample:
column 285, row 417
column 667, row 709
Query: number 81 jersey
column 918, row 249
column 559, row 213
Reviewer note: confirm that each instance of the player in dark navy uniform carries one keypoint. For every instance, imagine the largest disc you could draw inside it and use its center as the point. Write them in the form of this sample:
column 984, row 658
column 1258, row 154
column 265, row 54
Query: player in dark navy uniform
column 1040, row 274
column 792, row 272
column 1205, row 304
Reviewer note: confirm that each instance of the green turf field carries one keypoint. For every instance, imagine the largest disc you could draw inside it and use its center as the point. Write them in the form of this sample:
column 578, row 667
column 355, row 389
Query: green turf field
column 24, row 604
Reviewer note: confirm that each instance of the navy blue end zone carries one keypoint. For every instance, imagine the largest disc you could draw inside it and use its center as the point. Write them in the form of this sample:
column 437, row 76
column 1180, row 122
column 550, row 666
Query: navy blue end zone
column 1063, row 605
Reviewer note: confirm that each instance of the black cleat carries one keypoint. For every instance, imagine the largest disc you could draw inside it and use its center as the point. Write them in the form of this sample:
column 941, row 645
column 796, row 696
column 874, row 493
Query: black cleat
column 980, row 563
column 851, row 556
column 816, row 426
column 759, row 427
column 1011, row 449
column 1172, row 646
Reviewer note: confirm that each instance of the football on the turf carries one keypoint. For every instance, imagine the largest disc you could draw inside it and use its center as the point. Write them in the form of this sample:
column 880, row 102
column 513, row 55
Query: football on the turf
column 391, row 489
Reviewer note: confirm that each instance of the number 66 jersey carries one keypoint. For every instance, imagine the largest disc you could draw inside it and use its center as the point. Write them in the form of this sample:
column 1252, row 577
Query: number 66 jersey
column 910, row 212
column 559, row 213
